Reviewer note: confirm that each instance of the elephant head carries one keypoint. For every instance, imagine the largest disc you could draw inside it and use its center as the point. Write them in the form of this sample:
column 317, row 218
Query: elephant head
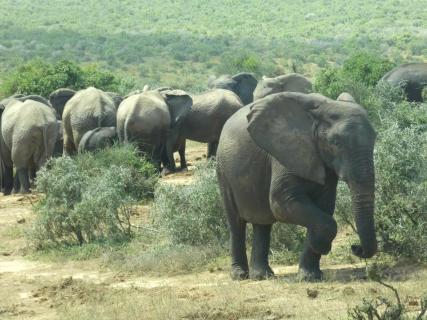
column 243, row 84
column 308, row 134
column 292, row 82
column 59, row 98
column 179, row 103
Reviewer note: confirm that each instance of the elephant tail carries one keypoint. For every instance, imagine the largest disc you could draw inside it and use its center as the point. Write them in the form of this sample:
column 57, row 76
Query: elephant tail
column 125, row 131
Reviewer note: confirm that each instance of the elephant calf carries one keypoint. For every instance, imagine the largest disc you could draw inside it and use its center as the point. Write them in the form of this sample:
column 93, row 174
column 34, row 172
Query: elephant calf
column 97, row 139
column 28, row 134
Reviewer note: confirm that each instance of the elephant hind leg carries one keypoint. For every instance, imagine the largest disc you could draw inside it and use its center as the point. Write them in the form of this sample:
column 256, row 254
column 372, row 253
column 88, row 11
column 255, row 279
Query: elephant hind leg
column 8, row 180
column 212, row 147
column 24, row 179
column 69, row 146
column 239, row 264
column 260, row 268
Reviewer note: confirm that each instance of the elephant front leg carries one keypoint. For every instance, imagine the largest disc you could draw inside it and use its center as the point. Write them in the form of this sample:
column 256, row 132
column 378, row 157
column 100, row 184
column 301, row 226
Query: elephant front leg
column 289, row 204
column 309, row 264
column 260, row 268
column 183, row 161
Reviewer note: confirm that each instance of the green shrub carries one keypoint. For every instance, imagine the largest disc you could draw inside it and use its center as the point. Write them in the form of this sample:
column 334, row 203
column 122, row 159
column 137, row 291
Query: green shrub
column 90, row 197
column 192, row 214
column 39, row 77
column 366, row 68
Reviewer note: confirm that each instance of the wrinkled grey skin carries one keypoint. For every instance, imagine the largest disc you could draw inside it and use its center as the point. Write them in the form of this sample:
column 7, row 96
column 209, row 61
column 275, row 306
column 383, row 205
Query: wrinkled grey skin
column 150, row 119
column 292, row 82
column 279, row 159
column 28, row 134
column 86, row 110
column 96, row 139
column 243, row 84
column 345, row 96
column 204, row 122
column 412, row 77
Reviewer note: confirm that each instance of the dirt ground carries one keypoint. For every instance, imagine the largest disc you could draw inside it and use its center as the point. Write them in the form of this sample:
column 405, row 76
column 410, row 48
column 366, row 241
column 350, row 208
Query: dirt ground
column 32, row 289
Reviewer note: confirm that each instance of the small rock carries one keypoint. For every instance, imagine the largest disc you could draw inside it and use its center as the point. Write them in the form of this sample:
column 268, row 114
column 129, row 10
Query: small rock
column 312, row 293
column 21, row 221
column 66, row 282
column 5, row 254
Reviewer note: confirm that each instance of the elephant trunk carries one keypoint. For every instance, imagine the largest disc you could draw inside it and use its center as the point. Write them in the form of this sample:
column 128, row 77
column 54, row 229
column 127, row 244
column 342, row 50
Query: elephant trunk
column 362, row 191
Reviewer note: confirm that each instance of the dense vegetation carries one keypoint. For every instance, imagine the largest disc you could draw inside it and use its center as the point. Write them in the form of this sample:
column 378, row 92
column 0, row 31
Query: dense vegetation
column 180, row 43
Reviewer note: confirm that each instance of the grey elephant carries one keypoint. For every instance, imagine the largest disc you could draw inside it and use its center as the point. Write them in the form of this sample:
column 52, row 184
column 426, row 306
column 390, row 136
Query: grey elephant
column 412, row 77
column 60, row 97
column 28, row 134
column 152, row 118
column 85, row 110
column 203, row 123
column 292, row 82
column 243, row 84
column 279, row 159
column 96, row 139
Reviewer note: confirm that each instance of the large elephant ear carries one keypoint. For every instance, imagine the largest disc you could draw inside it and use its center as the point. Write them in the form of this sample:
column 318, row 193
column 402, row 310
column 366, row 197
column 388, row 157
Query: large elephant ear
column 282, row 125
column 59, row 98
column 179, row 103
column 245, row 86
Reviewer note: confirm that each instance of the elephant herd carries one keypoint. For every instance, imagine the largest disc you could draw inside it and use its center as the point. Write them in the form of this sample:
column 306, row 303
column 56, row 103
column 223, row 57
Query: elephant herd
column 280, row 150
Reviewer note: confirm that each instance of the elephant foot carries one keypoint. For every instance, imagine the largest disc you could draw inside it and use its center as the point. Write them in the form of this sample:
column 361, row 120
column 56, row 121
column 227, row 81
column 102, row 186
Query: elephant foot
column 239, row 273
column 167, row 171
column 321, row 237
column 261, row 273
column 309, row 274
column 7, row 192
column 183, row 169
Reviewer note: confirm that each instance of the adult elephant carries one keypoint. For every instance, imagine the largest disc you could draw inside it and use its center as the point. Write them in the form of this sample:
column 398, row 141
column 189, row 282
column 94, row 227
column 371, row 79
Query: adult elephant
column 292, row 82
column 204, row 122
column 279, row 159
column 151, row 118
column 96, row 139
column 243, row 84
column 28, row 134
column 412, row 77
column 60, row 97
column 86, row 110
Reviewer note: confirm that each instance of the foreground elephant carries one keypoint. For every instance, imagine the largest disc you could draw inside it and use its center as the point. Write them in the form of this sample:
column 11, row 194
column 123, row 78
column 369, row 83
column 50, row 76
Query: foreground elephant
column 86, row 110
column 279, row 159
column 28, row 134
column 412, row 77
column 243, row 84
column 151, row 118
column 292, row 82
column 96, row 139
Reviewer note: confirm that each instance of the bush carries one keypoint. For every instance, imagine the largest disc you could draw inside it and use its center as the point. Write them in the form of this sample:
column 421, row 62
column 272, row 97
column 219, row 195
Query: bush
column 358, row 73
column 89, row 198
column 38, row 77
column 192, row 214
